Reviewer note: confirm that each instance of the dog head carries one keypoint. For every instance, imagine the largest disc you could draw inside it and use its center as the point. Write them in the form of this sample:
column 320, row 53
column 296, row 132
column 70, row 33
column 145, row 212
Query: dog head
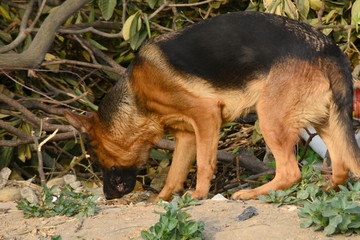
column 120, row 158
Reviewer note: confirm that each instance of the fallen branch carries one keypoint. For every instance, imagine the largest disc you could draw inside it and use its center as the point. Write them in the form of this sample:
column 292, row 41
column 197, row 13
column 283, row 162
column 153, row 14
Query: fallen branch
column 246, row 158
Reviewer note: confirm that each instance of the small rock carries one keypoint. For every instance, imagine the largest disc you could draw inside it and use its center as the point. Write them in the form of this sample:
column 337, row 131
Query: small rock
column 140, row 204
column 75, row 185
column 97, row 191
column 248, row 213
column 29, row 194
column 10, row 194
column 4, row 176
column 219, row 197
column 292, row 208
column 55, row 181
column 69, row 178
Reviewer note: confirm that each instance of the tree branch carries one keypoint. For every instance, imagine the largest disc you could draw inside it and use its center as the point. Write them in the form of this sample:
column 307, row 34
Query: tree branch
column 246, row 158
column 13, row 130
column 32, row 118
column 58, row 137
column 35, row 54
column 23, row 30
column 91, row 65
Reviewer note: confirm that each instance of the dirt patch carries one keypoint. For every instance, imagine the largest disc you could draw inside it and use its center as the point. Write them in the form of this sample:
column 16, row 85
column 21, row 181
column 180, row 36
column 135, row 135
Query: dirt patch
column 120, row 221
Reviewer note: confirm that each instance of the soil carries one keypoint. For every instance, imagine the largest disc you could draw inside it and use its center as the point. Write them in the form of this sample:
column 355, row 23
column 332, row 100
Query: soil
column 124, row 219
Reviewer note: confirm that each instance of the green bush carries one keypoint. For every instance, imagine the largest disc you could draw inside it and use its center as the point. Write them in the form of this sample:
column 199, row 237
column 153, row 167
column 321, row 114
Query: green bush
column 68, row 203
column 333, row 212
column 173, row 223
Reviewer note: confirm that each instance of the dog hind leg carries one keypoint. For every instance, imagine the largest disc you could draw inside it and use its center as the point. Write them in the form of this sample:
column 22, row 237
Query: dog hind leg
column 280, row 134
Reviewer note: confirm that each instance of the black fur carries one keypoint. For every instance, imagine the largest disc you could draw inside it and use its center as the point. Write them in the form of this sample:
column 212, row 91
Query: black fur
column 231, row 49
column 118, row 181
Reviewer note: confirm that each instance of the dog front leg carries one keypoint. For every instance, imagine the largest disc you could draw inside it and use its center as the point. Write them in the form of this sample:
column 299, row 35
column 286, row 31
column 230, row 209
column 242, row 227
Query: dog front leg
column 206, row 123
column 185, row 149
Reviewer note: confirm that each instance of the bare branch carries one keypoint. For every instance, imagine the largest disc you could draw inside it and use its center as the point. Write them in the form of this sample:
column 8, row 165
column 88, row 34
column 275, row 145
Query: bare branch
column 32, row 118
column 320, row 13
column 191, row 4
column 92, row 30
column 336, row 27
column 34, row 55
column 245, row 157
column 13, row 130
column 23, row 31
column 91, row 65
column 40, row 93
column 103, row 56
column 165, row 4
column 15, row 143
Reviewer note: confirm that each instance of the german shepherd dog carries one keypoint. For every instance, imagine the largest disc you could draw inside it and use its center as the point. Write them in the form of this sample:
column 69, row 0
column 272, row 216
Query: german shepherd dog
column 192, row 81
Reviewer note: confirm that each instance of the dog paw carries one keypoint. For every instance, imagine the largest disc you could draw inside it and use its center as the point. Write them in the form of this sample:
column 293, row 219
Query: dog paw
column 245, row 195
column 196, row 195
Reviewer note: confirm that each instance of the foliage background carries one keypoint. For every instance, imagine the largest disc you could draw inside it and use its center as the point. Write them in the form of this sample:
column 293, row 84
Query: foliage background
column 50, row 60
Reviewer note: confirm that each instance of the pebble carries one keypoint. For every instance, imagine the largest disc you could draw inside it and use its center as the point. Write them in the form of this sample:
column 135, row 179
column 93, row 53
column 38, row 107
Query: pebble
column 10, row 194
column 28, row 194
column 69, row 178
column 55, row 181
column 219, row 197
column 4, row 176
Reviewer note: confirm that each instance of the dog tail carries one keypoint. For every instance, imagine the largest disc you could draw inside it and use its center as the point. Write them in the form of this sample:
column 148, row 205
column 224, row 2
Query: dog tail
column 341, row 140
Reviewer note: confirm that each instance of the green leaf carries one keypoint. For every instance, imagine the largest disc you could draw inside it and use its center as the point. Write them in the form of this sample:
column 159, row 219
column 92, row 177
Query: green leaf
column 290, row 9
column 336, row 220
column 5, row 36
column 152, row 3
column 304, row 7
column 146, row 235
column 147, row 25
column 107, row 8
column 264, row 198
column 172, row 224
column 355, row 13
column 98, row 45
column 91, row 17
column 302, row 194
column 330, row 212
column 329, row 230
column 129, row 30
column 6, row 155
column 192, row 227
column 4, row 13
column 306, row 223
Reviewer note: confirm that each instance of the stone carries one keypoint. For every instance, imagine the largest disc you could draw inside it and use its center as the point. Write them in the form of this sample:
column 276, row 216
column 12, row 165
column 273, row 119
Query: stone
column 4, row 176
column 10, row 194
column 55, row 181
column 219, row 197
column 28, row 194
column 69, row 178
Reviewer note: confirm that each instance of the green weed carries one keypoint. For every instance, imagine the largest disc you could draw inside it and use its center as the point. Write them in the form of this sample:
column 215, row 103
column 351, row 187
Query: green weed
column 68, row 203
column 333, row 212
column 174, row 223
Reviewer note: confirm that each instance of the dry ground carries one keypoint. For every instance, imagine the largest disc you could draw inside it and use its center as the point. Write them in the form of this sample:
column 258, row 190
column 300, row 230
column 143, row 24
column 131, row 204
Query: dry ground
column 120, row 221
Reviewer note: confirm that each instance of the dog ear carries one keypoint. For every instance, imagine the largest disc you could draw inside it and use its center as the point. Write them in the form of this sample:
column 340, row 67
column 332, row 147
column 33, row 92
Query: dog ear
column 80, row 122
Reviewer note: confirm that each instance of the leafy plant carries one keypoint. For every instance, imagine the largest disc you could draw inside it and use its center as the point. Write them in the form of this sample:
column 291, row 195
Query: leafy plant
column 334, row 212
column 308, row 189
column 68, row 203
column 173, row 223
column 57, row 237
